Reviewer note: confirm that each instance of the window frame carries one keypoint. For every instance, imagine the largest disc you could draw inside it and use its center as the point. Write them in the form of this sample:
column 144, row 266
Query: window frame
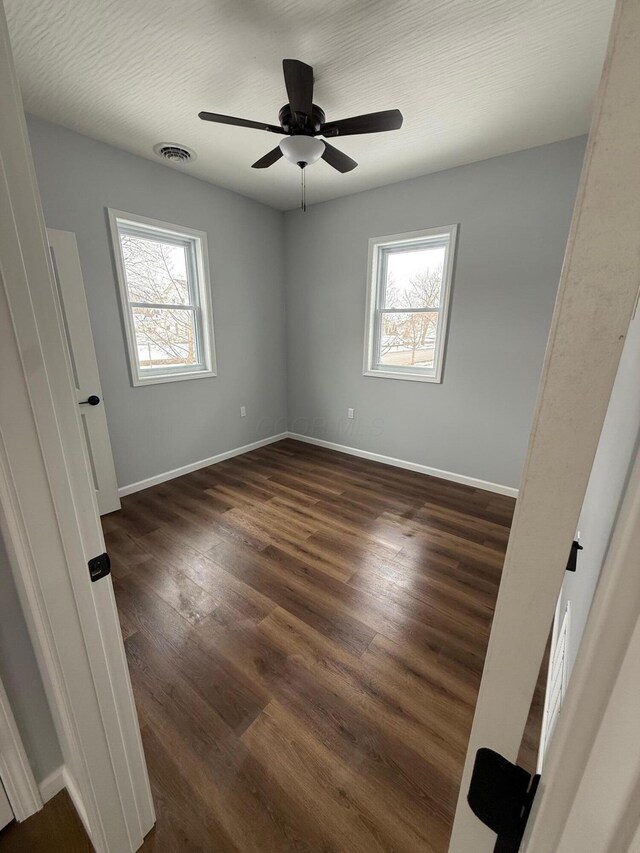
column 197, row 258
column 446, row 234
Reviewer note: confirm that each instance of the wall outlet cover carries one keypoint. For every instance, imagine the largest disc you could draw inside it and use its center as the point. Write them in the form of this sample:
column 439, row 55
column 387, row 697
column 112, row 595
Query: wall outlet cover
column 243, row 411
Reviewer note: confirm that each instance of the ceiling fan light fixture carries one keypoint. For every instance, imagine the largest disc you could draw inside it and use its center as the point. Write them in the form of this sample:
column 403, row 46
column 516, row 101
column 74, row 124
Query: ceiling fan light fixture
column 302, row 149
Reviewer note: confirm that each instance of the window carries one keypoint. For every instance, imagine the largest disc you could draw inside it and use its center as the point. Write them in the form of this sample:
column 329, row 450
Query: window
column 164, row 287
column 409, row 285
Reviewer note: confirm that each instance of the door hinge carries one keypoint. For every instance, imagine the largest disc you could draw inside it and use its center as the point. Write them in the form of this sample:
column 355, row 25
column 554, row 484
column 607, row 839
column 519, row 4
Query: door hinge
column 501, row 795
column 572, row 563
column 99, row 567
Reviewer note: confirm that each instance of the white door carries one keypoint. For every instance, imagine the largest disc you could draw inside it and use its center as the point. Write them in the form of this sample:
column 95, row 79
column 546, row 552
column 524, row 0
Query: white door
column 6, row 815
column 84, row 367
column 596, row 299
column 49, row 509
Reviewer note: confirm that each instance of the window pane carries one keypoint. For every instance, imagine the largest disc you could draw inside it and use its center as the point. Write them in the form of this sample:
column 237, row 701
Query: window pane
column 155, row 271
column 165, row 337
column 414, row 277
column 408, row 340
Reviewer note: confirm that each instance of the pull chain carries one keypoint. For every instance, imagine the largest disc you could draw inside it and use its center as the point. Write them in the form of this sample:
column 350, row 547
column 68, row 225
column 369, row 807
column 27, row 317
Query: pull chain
column 303, row 187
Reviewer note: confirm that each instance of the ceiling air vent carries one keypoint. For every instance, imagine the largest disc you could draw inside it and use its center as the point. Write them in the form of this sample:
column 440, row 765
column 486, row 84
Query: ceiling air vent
column 174, row 153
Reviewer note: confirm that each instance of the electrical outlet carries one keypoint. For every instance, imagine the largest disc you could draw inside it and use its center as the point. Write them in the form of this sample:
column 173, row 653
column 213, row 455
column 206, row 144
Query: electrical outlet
column 243, row 411
column 350, row 413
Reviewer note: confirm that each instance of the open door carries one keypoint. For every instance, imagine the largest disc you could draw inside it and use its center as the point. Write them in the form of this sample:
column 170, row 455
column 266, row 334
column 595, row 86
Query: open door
column 49, row 515
column 84, row 366
column 596, row 300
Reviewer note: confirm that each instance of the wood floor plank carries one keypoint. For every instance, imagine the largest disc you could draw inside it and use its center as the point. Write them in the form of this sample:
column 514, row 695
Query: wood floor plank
column 183, row 819
column 202, row 665
column 211, row 756
column 415, row 787
column 183, row 526
column 425, row 719
column 217, row 684
column 125, row 552
column 190, row 600
column 310, row 595
column 339, row 796
column 325, row 555
column 56, row 827
column 208, row 574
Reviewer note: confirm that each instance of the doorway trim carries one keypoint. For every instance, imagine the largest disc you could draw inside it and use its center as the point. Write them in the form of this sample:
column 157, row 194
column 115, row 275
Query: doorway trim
column 613, row 619
column 15, row 771
column 52, row 522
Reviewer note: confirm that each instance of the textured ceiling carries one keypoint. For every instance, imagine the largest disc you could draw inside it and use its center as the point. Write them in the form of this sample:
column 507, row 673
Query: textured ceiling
column 474, row 78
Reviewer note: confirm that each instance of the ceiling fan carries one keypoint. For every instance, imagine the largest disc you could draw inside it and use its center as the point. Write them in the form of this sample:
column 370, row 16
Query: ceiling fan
column 301, row 121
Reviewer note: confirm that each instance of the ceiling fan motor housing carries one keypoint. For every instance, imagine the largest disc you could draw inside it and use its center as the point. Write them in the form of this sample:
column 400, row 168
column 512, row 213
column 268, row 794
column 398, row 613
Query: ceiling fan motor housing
column 298, row 123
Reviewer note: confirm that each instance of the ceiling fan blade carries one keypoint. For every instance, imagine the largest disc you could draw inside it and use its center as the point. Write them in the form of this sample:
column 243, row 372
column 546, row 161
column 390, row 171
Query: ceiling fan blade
column 369, row 123
column 268, row 159
column 337, row 159
column 298, row 78
column 240, row 122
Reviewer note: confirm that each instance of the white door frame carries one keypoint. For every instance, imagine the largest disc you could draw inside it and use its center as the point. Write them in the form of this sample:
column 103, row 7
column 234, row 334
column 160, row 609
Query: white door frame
column 595, row 303
column 15, row 771
column 49, row 506
column 579, row 790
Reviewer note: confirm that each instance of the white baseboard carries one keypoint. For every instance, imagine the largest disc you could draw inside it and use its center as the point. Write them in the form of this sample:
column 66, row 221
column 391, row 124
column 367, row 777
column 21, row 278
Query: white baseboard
column 410, row 466
column 52, row 784
column 341, row 448
column 194, row 466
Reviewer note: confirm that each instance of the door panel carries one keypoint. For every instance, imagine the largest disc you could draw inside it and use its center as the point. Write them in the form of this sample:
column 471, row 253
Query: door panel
column 84, row 367
column 557, row 678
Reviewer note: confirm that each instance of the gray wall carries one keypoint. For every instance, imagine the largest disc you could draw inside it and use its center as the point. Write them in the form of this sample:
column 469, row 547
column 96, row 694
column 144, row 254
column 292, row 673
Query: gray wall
column 611, row 468
column 514, row 214
column 20, row 676
column 157, row 428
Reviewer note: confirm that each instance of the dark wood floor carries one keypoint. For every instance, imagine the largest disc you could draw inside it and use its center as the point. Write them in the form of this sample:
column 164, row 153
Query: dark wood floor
column 306, row 633
column 54, row 829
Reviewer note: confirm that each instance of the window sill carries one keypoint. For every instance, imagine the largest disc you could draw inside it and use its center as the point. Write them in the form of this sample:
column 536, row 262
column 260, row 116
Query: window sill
column 411, row 377
column 172, row 377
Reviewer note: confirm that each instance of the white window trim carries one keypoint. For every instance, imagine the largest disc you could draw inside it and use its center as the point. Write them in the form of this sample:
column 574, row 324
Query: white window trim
column 375, row 246
column 199, row 238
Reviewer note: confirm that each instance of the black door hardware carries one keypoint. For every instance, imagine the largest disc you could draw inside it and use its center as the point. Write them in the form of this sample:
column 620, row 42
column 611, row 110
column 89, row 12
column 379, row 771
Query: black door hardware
column 93, row 400
column 501, row 795
column 572, row 563
column 99, row 567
